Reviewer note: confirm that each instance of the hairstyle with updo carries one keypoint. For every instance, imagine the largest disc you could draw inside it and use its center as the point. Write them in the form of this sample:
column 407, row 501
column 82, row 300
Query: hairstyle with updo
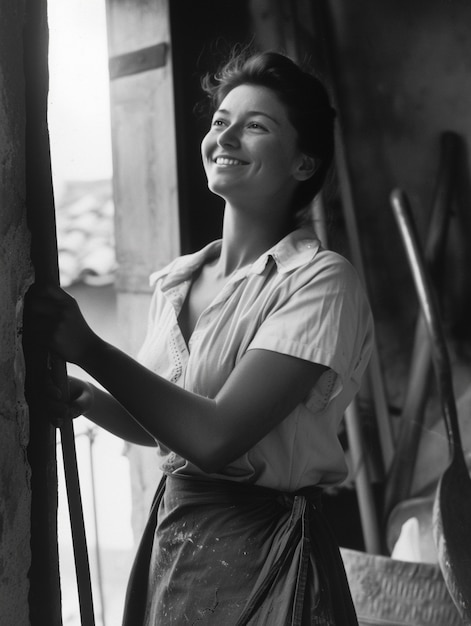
column 304, row 96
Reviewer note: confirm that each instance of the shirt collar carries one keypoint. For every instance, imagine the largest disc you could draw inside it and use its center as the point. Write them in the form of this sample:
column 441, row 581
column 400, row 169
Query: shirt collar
column 295, row 250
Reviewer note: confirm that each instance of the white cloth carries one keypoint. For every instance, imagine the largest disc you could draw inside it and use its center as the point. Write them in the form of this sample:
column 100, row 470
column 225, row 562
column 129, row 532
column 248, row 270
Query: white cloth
column 298, row 299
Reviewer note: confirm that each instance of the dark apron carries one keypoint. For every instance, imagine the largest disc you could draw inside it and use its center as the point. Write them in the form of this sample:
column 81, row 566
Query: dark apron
column 231, row 554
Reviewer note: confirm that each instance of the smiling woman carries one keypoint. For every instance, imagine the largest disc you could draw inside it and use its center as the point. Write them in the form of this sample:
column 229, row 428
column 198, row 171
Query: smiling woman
column 251, row 154
column 304, row 100
column 255, row 346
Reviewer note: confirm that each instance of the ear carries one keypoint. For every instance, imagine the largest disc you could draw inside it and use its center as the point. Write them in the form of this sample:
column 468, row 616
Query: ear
column 306, row 168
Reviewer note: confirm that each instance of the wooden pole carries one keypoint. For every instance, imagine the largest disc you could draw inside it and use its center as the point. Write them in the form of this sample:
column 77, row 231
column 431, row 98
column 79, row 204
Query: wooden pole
column 44, row 598
column 44, row 594
column 374, row 374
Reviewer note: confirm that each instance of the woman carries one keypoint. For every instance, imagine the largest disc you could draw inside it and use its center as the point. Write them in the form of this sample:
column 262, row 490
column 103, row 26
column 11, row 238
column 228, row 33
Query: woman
column 255, row 346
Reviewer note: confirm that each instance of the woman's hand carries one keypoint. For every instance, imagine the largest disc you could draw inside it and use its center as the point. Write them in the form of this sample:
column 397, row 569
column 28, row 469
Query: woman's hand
column 80, row 400
column 81, row 397
column 55, row 321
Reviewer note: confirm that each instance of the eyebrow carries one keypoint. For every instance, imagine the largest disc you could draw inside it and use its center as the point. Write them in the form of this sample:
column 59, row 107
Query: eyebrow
column 249, row 113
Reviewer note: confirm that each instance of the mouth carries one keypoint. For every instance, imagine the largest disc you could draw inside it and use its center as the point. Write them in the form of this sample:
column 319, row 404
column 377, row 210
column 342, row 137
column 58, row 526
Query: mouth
column 227, row 161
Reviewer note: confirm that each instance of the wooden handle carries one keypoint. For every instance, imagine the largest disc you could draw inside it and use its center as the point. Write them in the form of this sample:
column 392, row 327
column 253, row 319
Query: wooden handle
column 430, row 311
column 400, row 473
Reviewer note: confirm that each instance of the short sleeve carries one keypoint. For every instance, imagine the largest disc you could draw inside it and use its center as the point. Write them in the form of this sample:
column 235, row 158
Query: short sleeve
column 320, row 313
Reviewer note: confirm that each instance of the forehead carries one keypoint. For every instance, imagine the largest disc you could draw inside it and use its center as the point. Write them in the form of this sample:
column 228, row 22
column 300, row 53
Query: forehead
column 254, row 98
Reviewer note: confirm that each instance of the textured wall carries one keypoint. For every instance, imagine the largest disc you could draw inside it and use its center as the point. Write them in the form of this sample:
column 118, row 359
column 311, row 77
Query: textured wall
column 402, row 70
column 15, row 274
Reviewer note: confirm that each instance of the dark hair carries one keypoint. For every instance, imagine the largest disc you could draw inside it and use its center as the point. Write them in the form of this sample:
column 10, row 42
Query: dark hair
column 304, row 96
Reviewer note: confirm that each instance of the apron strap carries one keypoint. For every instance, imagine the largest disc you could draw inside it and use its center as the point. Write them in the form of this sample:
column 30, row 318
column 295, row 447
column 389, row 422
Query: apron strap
column 136, row 594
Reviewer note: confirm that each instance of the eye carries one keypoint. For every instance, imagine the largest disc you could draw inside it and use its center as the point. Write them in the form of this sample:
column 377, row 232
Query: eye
column 217, row 122
column 256, row 126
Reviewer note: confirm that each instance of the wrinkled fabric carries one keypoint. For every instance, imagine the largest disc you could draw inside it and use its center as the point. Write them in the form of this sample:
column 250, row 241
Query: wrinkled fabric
column 297, row 299
column 219, row 553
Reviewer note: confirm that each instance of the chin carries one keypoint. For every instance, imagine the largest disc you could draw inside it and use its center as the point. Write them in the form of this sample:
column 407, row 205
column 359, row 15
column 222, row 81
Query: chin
column 219, row 189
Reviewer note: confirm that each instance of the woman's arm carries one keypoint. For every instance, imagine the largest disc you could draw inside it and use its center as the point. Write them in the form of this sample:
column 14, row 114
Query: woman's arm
column 261, row 391
column 103, row 409
column 98, row 406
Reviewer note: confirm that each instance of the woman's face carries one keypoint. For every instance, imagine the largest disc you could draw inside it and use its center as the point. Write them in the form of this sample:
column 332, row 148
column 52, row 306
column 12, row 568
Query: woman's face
column 251, row 150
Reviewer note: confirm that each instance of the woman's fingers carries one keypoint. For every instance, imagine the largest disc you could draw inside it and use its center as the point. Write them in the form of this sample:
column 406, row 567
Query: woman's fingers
column 59, row 409
column 81, row 395
column 53, row 319
column 42, row 314
column 43, row 300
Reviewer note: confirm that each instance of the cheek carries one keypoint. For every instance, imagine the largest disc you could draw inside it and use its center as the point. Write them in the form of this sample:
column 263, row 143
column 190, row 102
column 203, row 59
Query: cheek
column 208, row 143
column 205, row 150
column 279, row 162
column 204, row 143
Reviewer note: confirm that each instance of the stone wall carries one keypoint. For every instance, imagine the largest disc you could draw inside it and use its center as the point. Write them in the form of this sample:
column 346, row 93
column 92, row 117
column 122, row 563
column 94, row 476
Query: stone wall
column 15, row 276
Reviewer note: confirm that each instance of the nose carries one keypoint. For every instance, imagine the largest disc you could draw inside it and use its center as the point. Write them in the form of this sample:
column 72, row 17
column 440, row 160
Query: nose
column 229, row 136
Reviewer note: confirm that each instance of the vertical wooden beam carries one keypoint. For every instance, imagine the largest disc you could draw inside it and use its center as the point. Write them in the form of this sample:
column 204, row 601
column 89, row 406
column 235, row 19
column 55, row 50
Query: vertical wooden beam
column 144, row 155
column 143, row 138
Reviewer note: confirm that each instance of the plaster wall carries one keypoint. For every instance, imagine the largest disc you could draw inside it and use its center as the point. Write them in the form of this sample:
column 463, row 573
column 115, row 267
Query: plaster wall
column 402, row 70
column 15, row 275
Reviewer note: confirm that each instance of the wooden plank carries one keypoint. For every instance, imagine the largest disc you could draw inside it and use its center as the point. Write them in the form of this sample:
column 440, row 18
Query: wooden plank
column 144, row 146
column 141, row 60
column 136, row 24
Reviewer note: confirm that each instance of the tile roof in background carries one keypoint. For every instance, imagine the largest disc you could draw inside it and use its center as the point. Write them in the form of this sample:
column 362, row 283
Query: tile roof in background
column 85, row 233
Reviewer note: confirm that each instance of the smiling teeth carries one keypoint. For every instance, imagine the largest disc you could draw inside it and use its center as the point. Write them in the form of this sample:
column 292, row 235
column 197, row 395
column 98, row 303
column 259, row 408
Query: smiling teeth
column 226, row 161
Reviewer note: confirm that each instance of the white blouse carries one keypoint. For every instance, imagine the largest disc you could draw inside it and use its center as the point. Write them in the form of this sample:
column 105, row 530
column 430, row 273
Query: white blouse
column 298, row 299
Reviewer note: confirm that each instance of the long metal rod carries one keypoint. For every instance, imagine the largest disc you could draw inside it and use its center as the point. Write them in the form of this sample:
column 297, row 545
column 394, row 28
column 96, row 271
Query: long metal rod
column 373, row 372
column 77, row 524
column 91, row 434
column 364, row 490
column 399, row 480
column 430, row 311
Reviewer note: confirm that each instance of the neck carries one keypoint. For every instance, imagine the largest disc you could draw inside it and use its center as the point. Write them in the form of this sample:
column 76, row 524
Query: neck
column 248, row 234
